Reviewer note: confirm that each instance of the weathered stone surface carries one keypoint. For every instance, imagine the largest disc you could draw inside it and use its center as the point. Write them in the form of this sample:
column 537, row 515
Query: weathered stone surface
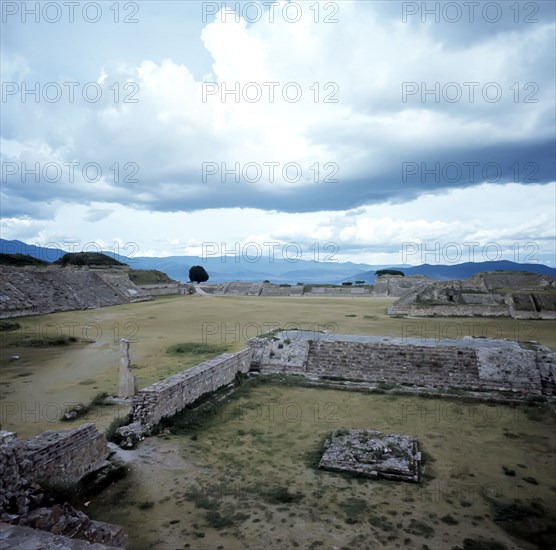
column 16, row 537
column 373, row 454
column 130, row 435
column 171, row 395
column 63, row 456
column 398, row 286
column 469, row 364
column 279, row 355
column 33, row 290
column 66, row 455
column 66, row 520
column 518, row 295
column 160, row 289
column 128, row 382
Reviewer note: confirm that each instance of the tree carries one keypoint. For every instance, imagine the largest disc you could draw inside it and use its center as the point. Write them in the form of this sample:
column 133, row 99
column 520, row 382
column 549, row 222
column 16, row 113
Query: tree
column 197, row 274
column 382, row 272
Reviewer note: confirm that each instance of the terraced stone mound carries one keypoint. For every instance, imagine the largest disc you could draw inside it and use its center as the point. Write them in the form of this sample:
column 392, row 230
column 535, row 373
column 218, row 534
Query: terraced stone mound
column 373, row 454
column 35, row 290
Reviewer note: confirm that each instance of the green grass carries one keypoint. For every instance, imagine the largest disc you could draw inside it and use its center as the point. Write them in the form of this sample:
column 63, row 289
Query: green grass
column 193, row 348
column 46, row 341
column 261, row 465
column 149, row 277
column 81, row 410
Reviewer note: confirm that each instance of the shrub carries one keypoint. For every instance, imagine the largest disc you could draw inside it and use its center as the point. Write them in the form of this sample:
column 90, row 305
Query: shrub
column 118, row 422
column 194, row 348
column 9, row 325
column 98, row 399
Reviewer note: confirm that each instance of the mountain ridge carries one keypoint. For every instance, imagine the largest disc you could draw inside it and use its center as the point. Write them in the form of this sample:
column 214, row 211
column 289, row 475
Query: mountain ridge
column 230, row 268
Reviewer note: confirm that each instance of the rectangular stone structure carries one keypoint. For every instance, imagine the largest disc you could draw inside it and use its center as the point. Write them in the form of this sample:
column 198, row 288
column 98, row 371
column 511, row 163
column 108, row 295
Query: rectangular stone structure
column 373, row 454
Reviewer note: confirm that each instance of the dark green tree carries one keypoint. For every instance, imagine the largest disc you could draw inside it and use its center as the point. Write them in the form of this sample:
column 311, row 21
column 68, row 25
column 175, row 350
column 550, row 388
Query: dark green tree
column 197, row 274
column 382, row 272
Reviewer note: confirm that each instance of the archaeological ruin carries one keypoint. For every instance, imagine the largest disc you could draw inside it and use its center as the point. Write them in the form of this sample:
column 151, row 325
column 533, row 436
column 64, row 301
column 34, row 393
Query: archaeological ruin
column 479, row 368
column 498, row 294
column 476, row 368
column 48, row 460
column 35, row 290
column 373, row 454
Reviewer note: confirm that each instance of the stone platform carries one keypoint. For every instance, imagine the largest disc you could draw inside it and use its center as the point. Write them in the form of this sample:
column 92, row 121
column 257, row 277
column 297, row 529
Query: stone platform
column 373, row 454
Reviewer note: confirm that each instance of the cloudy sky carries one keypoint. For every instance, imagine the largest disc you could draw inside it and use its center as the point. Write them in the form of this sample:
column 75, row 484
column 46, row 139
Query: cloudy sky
column 155, row 127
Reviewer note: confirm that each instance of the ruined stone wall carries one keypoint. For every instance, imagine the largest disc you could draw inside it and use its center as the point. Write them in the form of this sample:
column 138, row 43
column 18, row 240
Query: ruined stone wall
column 35, row 290
column 507, row 280
column 390, row 363
column 415, row 310
column 120, row 282
column 277, row 290
column 239, row 289
column 161, row 289
column 171, row 395
column 493, row 365
column 66, row 455
column 339, row 291
column 398, row 286
column 270, row 289
column 271, row 356
column 476, row 297
column 51, row 457
column 63, row 456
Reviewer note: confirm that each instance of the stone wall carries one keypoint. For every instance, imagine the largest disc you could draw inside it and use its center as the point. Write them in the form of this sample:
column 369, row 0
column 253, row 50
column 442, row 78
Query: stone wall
column 160, row 289
column 470, row 364
column 508, row 280
column 398, row 286
column 277, row 290
column 36, row 290
column 436, row 366
column 279, row 355
column 339, row 291
column 239, row 289
column 270, row 289
column 390, row 363
column 67, row 455
column 55, row 456
column 171, row 395
column 485, row 295
column 52, row 457
column 465, row 310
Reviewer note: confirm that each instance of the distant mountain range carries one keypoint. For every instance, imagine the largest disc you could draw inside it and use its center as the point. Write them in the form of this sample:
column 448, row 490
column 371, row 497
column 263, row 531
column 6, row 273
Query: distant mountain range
column 230, row 268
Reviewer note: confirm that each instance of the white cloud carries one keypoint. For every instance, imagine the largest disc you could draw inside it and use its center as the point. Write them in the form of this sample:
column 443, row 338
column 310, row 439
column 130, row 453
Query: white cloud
column 151, row 152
